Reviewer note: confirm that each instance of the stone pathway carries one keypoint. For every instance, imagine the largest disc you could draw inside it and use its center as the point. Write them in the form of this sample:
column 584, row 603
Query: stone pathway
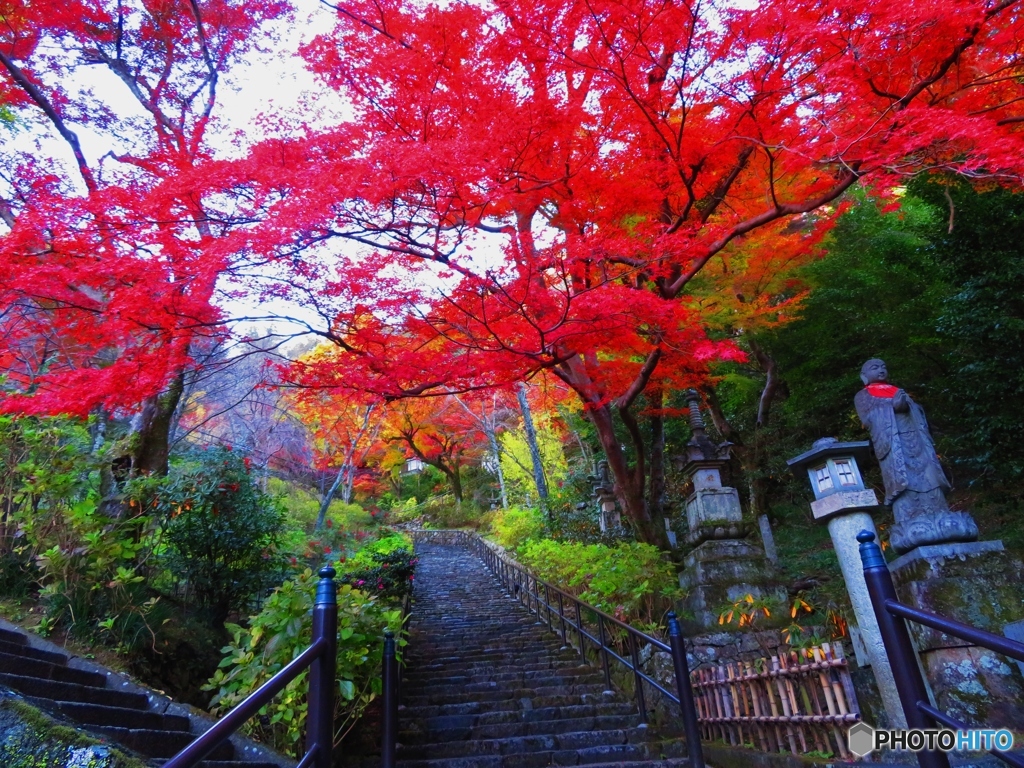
column 489, row 686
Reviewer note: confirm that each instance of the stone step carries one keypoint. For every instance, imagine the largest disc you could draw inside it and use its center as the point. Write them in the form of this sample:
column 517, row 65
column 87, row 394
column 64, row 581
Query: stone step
column 495, row 656
column 497, row 675
column 504, row 681
column 56, row 691
column 480, row 715
column 500, row 700
column 622, row 754
column 548, row 742
column 15, row 638
column 121, row 717
column 487, row 685
column 494, row 692
column 24, row 651
column 29, row 667
column 469, row 667
column 155, row 743
column 519, row 728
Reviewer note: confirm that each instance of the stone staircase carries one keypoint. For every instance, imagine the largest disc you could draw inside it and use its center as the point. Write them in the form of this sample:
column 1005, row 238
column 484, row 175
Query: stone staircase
column 89, row 699
column 488, row 686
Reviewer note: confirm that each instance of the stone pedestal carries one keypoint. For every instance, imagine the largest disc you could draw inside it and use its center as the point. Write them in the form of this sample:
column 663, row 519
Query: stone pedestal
column 722, row 571
column 976, row 583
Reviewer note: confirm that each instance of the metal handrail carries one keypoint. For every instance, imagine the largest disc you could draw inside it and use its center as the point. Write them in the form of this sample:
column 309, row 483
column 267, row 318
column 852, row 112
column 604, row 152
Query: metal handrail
column 321, row 659
column 392, row 665
column 910, row 684
column 514, row 578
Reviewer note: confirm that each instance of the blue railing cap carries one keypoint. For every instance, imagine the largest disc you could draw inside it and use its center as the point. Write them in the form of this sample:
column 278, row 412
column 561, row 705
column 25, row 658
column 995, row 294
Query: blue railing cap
column 326, row 591
column 870, row 552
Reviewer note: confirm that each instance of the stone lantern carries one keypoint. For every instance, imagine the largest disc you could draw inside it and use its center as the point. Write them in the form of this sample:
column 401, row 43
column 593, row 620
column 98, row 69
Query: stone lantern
column 835, row 477
column 841, row 500
column 609, row 516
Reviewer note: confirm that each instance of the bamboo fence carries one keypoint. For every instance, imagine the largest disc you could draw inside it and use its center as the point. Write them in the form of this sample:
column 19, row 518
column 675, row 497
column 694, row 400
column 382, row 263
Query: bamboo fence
column 799, row 701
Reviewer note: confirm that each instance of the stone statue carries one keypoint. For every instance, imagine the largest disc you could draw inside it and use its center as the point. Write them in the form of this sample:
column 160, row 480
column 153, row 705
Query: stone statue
column 915, row 484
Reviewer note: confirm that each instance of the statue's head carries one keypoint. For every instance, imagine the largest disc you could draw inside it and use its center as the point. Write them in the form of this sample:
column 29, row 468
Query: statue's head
column 873, row 370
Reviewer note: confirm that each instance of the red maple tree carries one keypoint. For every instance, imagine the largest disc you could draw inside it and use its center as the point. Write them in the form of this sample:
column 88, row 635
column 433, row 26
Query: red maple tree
column 108, row 265
column 612, row 149
column 533, row 186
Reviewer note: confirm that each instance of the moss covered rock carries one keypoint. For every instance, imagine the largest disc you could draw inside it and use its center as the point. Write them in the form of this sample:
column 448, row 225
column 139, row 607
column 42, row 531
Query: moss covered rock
column 30, row 738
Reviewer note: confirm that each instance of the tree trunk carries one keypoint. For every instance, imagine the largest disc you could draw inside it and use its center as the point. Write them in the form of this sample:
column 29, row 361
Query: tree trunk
column 531, row 440
column 325, row 503
column 456, row 480
column 350, row 481
column 656, row 492
column 629, row 484
column 151, row 430
column 492, row 438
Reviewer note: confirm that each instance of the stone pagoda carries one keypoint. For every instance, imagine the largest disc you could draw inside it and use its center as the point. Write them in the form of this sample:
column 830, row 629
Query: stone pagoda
column 722, row 566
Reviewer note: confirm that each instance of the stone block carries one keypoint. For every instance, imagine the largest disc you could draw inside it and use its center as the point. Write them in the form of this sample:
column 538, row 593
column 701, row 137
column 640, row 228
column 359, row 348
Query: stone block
column 719, row 572
column 843, row 502
column 976, row 583
column 713, row 505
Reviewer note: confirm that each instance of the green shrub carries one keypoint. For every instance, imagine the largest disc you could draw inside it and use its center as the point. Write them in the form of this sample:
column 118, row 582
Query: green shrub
column 279, row 633
column 631, row 581
column 302, row 506
column 389, row 541
column 405, row 511
column 514, row 526
column 389, row 579
column 90, row 570
column 92, row 577
column 220, row 531
column 443, row 512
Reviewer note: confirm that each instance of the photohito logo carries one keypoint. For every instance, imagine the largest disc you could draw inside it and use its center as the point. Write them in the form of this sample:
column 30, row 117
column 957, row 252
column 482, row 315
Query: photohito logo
column 862, row 739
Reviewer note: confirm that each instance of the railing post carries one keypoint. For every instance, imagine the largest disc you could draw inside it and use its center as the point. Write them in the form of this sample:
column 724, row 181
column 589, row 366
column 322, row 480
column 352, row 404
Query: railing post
column 320, row 718
column 389, row 735
column 561, row 618
column 579, row 630
column 898, row 647
column 638, row 681
column 604, row 653
column 547, row 603
column 691, row 726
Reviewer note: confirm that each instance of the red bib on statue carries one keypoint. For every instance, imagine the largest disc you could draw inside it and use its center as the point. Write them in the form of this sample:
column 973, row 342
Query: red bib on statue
column 882, row 390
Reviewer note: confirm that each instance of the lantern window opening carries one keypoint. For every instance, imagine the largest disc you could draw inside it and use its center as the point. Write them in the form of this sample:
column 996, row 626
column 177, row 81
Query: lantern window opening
column 846, row 473
column 823, row 478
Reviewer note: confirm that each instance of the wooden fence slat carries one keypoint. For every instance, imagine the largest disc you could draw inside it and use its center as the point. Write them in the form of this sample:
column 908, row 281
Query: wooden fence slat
column 807, row 693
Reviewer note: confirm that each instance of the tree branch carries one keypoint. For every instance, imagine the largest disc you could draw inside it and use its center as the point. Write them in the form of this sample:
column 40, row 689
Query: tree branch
column 58, row 122
column 776, row 212
column 640, row 383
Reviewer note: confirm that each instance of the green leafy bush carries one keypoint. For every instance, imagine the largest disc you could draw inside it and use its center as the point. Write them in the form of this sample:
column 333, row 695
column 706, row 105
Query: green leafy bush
column 279, row 633
column 514, row 526
column 390, row 578
column 302, row 506
column 89, row 569
column 628, row 580
column 220, row 531
column 387, row 542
